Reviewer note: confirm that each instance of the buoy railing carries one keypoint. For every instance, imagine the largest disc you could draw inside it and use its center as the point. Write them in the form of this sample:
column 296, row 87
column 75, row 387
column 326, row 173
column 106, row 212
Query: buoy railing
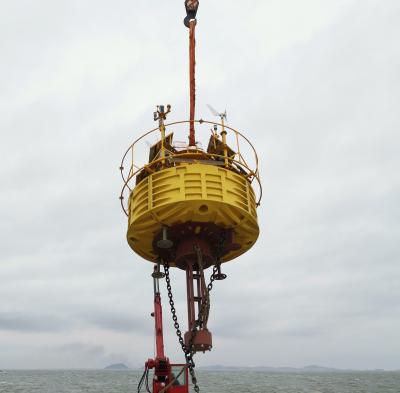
column 243, row 158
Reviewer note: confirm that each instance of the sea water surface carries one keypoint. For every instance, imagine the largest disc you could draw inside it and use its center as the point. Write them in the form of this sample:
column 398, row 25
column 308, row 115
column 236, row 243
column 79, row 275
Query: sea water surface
column 107, row 381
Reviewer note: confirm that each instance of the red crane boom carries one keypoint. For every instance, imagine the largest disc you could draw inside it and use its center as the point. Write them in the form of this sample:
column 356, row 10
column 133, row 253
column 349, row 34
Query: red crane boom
column 158, row 326
column 168, row 378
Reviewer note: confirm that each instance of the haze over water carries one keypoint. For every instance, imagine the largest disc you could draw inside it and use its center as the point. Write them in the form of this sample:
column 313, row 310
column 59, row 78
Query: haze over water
column 93, row 381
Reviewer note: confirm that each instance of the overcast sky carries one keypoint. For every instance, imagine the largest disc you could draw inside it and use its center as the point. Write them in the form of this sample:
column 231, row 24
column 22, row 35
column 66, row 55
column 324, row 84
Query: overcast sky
column 315, row 84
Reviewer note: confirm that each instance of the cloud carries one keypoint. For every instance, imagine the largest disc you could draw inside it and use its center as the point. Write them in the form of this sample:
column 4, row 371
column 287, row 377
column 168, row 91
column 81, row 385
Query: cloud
column 116, row 322
column 314, row 86
column 95, row 350
column 90, row 353
column 32, row 323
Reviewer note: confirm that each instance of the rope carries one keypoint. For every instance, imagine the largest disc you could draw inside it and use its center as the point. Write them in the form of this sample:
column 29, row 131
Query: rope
column 145, row 377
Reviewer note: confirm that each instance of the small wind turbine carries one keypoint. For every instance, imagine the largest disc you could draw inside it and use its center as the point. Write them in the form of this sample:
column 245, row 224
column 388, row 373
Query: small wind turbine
column 221, row 115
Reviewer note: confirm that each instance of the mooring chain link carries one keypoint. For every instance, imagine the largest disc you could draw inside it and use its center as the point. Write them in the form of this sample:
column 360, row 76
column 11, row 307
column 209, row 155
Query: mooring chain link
column 204, row 308
column 220, row 248
column 187, row 351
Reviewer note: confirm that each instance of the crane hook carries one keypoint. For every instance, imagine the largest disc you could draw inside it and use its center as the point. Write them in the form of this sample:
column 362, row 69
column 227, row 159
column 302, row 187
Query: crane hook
column 191, row 11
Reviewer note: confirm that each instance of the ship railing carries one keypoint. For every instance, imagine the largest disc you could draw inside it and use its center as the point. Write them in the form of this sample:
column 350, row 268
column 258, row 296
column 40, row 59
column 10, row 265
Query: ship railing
column 238, row 155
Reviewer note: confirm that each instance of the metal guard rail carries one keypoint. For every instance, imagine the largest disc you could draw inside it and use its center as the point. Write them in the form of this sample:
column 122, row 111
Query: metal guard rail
column 235, row 162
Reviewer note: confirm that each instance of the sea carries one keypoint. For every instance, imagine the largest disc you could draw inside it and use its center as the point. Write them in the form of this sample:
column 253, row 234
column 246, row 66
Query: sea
column 126, row 381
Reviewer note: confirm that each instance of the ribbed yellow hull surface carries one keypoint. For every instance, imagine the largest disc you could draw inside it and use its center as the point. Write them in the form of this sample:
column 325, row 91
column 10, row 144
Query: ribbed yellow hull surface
column 192, row 193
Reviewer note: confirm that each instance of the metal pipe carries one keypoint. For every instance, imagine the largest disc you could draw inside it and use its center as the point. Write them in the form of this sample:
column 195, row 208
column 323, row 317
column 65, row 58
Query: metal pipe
column 223, row 134
column 192, row 80
column 190, row 296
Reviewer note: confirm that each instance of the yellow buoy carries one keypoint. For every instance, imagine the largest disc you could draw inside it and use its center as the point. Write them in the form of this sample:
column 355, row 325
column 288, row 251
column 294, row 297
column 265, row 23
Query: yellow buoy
column 191, row 207
column 191, row 192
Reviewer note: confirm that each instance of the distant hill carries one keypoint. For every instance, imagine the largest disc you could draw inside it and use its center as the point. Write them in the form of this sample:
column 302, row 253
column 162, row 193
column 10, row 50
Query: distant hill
column 319, row 369
column 309, row 369
column 117, row 366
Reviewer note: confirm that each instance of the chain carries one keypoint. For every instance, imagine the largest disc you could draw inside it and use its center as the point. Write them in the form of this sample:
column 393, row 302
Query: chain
column 204, row 309
column 220, row 248
column 212, row 278
column 205, row 306
column 186, row 350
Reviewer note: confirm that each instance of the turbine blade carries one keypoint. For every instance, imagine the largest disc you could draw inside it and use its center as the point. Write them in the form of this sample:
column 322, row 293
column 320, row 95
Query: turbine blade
column 213, row 111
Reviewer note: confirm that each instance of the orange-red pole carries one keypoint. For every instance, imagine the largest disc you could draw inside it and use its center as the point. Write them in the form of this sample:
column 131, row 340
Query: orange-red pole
column 158, row 326
column 192, row 68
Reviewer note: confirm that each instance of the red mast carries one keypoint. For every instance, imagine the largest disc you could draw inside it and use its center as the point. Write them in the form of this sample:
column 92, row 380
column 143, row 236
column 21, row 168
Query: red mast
column 158, row 326
column 192, row 66
column 168, row 378
column 190, row 22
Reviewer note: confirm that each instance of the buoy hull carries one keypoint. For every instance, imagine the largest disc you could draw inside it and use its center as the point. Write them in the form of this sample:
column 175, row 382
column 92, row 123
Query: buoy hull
column 192, row 193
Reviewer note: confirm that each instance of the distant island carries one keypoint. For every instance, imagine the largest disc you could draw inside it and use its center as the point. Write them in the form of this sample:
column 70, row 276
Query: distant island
column 117, row 366
column 307, row 369
column 268, row 369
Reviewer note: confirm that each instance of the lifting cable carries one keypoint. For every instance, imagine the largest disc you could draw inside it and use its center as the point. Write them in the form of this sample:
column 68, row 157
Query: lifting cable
column 190, row 22
column 192, row 73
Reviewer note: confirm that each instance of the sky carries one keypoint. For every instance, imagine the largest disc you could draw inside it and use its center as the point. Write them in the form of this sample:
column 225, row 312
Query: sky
column 314, row 84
